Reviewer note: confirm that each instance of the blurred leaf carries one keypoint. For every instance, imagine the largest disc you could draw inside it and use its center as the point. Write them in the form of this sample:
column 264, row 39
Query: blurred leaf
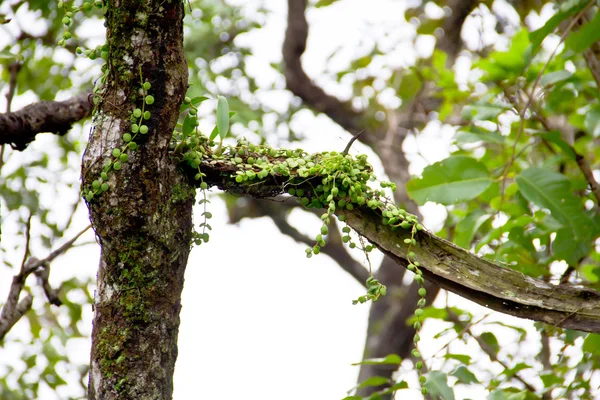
column 550, row 190
column 554, row 77
column 362, row 62
column 462, row 358
column 464, row 375
column 555, row 137
column 453, row 180
column 399, row 385
column 551, row 380
column 7, row 55
column 490, row 339
column 484, row 112
column 590, row 272
column 437, row 385
column 468, row 226
column 568, row 9
column 510, row 372
column 592, row 121
column 591, row 344
column 585, row 36
column 501, row 65
column 324, row 3
column 389, row 359
column 409, row 86
column 478, row 135
column 373, row 381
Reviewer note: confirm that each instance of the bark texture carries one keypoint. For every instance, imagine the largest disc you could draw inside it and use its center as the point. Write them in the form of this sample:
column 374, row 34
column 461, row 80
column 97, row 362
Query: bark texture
column 143, row 222
column 20, row 127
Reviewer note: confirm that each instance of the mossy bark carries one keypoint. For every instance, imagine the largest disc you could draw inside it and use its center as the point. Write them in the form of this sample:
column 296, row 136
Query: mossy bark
column 143, row 222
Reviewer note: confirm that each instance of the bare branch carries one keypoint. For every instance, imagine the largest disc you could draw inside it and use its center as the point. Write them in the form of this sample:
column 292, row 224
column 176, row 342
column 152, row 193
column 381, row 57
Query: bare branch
column 302, row 86
column 19, row 128
column 14, row 309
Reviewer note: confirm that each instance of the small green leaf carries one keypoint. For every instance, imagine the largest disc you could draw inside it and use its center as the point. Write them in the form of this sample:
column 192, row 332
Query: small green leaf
column 197, row 100
column 387, row 360
column 478, row 135
column 491, row 340
column 373, row 381
column 189, row 124
column 453, row 180
column 462, row 358
column 214, row 133
column 510, row 372
column 498, row 395
column 222, row 117
column 324, row 3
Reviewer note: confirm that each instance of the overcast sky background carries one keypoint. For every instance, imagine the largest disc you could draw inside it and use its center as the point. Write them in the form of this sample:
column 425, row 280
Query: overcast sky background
column 260, row 320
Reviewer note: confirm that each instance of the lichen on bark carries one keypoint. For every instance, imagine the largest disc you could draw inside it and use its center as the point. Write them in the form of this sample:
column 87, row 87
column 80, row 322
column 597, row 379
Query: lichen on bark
column 143, row 222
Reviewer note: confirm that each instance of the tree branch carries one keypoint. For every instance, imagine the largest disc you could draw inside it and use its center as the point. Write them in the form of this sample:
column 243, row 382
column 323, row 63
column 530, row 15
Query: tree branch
column 19, row 128
column 453, row 268
column 302, row 86
column 14, row 309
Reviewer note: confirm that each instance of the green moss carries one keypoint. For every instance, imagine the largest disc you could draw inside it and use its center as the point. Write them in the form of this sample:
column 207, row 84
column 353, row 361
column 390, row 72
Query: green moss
column 181, row 193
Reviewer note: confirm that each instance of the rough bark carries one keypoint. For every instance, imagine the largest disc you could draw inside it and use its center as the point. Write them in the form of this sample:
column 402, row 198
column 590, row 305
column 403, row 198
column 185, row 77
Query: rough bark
column 143, row 222
column 20, row 127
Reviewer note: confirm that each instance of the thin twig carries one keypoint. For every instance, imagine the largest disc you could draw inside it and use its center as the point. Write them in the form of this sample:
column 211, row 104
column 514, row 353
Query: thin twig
column 347, row 149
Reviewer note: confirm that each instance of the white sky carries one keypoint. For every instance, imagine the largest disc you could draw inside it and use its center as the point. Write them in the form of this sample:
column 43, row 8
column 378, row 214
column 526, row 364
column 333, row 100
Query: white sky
column 259, row 320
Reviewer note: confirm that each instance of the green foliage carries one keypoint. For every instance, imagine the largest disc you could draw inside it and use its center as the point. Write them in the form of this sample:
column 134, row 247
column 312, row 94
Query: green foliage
column 513, row 181
column 454, row 180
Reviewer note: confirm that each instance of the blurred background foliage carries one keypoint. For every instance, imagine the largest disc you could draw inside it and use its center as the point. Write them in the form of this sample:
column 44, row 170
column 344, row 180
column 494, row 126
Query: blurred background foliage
column 495, row 114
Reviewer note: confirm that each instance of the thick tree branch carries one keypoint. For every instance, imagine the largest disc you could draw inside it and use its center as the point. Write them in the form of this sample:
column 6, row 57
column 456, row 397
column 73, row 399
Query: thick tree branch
column 453, row 268
column 302, row 86
column 19, row 128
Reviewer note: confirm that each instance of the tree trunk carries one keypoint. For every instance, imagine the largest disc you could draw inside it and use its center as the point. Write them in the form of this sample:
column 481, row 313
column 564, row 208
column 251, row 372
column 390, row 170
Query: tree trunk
column 143, row 222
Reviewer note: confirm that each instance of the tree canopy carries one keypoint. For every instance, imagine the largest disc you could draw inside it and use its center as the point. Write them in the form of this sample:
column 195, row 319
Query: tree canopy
column 161, row 108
